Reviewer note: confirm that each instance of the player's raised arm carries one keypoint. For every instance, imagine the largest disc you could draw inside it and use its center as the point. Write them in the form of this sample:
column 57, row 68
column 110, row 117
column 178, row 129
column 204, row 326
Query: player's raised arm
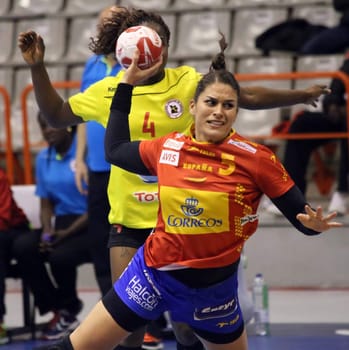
column 57, row 112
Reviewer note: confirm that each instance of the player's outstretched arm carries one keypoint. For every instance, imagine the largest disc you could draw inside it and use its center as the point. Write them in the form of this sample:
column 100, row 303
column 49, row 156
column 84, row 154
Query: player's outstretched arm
column 257, row 97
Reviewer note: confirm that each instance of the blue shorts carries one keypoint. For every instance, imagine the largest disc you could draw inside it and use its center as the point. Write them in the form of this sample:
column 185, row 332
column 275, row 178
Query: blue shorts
column 150, row 292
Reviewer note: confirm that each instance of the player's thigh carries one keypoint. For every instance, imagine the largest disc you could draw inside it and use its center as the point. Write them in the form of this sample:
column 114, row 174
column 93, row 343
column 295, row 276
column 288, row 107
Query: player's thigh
column 119, row 259
column 123, row 244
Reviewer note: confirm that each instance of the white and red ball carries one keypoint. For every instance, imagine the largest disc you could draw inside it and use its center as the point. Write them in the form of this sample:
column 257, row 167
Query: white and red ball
column 145, row 39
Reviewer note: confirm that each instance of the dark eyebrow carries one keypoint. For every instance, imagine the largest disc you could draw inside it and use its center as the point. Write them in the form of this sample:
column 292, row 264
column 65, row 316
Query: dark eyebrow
column 215, row 98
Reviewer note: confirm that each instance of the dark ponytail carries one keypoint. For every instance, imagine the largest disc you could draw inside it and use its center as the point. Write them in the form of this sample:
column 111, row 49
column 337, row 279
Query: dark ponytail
column 218, row 62
column 217, row 72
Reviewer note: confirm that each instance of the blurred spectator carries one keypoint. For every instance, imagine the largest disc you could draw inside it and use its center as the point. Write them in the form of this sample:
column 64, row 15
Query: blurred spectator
column 331, row 40
column 63, row 242
column 300, row 36
column 13, row 224
column 332, row 119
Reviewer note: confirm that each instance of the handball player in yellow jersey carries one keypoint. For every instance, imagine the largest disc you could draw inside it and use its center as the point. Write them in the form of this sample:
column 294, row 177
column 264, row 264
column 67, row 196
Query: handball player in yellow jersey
column 160, row 104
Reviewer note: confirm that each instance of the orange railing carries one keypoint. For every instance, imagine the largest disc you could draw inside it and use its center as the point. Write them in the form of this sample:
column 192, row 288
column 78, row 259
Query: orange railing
column 8, row 134
column 241, row 77
column 27, row 159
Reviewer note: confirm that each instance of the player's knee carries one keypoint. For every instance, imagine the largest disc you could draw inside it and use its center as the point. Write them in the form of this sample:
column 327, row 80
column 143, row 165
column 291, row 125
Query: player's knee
column 196, row 346
column 133, row 340
column 184, row 334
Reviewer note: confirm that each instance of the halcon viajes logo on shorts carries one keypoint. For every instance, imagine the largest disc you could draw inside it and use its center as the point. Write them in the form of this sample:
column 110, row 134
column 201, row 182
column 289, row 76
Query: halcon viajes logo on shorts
column 216, row 311
column 141, row 294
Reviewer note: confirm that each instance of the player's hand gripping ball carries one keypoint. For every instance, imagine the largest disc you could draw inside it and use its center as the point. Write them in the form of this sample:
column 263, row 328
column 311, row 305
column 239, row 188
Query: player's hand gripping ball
column 145, row 39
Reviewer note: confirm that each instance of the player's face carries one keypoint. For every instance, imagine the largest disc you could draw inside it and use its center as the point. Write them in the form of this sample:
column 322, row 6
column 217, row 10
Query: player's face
column 214, row 112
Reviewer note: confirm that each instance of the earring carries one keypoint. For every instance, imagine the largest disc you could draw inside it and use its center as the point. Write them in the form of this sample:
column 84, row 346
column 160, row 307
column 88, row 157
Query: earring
column 69, row 129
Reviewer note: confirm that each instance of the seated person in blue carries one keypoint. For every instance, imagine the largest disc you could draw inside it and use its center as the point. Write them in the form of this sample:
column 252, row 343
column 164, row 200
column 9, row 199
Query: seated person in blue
column 63, row 242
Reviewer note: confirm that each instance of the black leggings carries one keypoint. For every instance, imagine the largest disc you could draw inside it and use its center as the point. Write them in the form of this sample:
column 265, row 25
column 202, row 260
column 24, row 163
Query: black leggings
column 7, row 241
column 64, row 259
column 99, row 227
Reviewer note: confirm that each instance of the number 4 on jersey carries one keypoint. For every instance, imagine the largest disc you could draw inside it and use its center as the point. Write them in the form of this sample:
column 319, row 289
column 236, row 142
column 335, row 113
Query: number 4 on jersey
column 148, row 126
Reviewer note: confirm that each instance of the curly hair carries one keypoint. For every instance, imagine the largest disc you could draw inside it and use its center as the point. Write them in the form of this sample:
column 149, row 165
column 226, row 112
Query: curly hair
column 105, row 40
column 108, row 32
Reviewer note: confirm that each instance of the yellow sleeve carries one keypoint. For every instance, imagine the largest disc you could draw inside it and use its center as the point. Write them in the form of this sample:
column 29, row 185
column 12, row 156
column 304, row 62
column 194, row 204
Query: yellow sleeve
column 94, row 103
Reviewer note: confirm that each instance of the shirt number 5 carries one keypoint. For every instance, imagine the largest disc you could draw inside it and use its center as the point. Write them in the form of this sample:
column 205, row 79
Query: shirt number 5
column 229, row 161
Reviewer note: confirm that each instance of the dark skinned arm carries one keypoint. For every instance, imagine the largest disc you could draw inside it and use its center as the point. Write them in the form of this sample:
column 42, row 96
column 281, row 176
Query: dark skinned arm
column 57, row 112
column 257, row 97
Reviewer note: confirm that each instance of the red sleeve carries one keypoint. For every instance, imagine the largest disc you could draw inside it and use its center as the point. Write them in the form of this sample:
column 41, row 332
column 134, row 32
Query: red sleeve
column 10, row 214
column 150, row 151
column 6, row 202
column 271, row 175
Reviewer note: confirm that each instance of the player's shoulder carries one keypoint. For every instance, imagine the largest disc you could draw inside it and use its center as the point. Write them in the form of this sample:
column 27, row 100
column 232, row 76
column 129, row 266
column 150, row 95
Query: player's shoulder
column 248, row 147
column 111, row 79
column 183, row 71
column 108, row 83
column 173, row 140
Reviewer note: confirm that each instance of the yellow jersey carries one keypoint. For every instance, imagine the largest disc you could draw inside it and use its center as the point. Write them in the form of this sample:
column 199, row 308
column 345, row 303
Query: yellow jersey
column 156, row 110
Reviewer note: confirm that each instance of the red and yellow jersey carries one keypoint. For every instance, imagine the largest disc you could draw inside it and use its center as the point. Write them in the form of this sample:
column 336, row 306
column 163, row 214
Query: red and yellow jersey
column 209, row 196
column 156, row 110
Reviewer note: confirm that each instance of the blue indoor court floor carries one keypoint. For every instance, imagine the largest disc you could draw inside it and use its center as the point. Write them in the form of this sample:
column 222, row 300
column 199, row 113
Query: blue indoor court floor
column 300, row 320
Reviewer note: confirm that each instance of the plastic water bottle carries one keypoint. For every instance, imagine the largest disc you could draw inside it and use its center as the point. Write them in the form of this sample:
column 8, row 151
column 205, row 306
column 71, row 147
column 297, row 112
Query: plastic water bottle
column 261, row 305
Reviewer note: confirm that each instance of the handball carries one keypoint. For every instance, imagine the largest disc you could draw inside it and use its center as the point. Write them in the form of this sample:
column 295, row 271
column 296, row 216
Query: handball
column 145, row 39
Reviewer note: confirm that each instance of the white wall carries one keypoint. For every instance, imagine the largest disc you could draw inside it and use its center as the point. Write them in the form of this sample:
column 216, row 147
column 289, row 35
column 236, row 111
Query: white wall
column 287, row 258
